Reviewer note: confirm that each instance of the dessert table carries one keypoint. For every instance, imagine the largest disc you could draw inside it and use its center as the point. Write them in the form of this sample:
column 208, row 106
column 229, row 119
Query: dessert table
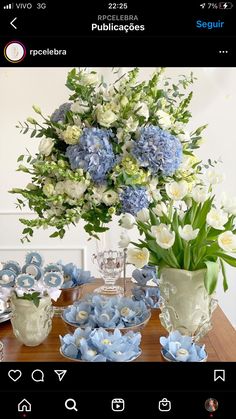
column 220, row 341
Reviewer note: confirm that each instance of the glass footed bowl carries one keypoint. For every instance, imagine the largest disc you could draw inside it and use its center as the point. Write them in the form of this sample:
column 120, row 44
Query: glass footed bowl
column 135, row 328
column 164, row 355
column 82, row 360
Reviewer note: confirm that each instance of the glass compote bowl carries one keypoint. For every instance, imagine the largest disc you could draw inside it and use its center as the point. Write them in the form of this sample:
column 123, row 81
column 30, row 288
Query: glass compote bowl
column 110, row 264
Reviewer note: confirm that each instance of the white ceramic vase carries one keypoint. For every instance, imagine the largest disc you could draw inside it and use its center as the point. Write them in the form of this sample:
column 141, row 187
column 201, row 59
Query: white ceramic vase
column 185, row 304
column 31, row 324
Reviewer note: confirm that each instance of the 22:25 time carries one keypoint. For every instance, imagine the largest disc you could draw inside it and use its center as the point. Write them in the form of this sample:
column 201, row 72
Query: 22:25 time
column 117, row 5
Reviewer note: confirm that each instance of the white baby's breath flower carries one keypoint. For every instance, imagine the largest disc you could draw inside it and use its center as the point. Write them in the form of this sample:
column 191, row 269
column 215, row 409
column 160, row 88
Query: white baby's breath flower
column 199, row 194
column 216, row 218
column 214, row 177
column 160, row 209
column 138, row 257
column 105, row 117
column 229, row 204
column 124, row 240
column 143, row 215
column 46, row 146
column 177, row 190
column 127, row 221
column 110, row 197
column 164, row 119
column 80, row 106
column 187, row 233
column 227, row 241
column 75, row 189
column 71, row 134
column 142, row 109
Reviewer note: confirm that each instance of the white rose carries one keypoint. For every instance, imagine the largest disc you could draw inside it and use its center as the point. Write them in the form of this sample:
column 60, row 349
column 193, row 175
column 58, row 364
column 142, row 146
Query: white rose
column 143, row 110
column 110, row 197
column 229, row 204
column 216, row 218
column 89, row 78
column 164, row 119
column 227, row 241
column 46, row 146
column 124, row 240
column 127, row 221
column 80, row 106
column 138, row 257
column 48, row 190
column 177, row 190
column 160, row 209
column 74, row 189
column 199, row 194
column 71, row 134
column 214, row 177
column 143, row 215
column 60, row 188
column 187, row 233
column 105, row 117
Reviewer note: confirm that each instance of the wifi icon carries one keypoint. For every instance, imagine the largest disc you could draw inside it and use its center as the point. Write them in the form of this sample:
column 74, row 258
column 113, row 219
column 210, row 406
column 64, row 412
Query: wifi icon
column 8, row 6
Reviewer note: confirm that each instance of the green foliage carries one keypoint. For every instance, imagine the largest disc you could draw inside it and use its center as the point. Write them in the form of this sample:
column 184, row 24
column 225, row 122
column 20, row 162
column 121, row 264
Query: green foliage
column 34, row 297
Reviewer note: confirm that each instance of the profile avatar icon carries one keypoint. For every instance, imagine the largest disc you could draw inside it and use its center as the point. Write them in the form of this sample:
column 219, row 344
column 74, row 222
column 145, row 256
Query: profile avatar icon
column 14, row 52
column 211, row 405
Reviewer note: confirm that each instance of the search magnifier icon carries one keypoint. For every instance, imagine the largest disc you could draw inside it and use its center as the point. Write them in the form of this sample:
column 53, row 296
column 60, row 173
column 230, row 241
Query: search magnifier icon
column 70, row 404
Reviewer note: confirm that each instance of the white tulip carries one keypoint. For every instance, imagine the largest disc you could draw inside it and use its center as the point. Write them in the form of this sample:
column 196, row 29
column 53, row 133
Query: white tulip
column 216, row 218
column 142, row 109
column 229, row 204
column 143, row 215
column 127, row 221
column 164, row 237
column 177, row 190
column 138, row 257
column 164, row 119
column 46, row 146
column 160, row 209
column 110, row 197
column 227, row 241
column 158, row 229
column 187, row 233
column 124, row 240
column 214, row 177
column 199, row 194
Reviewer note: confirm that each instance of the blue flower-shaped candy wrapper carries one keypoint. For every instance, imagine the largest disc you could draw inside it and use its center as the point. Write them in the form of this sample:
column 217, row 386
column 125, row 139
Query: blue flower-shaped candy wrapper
column 99, row 345
column 149, row 294
column 116, row 312
column 74, row 276
column 179, row 348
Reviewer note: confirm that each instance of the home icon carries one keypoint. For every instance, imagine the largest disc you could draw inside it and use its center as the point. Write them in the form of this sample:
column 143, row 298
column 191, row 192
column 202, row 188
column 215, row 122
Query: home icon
column 24, row 406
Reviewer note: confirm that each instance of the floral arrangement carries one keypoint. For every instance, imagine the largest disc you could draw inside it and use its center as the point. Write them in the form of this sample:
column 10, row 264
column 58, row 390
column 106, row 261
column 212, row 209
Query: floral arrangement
column 109, row 150
column 97, row 311
column 101, row 346
column 142, row 292
column 179, row 348
column 32, row 281
column 188, row 232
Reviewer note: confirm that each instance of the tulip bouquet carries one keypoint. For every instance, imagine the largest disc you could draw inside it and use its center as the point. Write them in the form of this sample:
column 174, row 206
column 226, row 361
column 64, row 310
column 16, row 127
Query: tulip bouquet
column 109, row 150
column 190, row 231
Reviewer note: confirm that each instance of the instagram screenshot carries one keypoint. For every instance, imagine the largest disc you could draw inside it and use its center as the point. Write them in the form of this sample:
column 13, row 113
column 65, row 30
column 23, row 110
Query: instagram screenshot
column 117, row 210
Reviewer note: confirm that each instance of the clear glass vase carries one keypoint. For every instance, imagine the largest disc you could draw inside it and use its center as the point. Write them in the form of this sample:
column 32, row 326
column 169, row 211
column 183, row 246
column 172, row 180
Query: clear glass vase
column 31, row 324
column 185, row 304
column 111, row 265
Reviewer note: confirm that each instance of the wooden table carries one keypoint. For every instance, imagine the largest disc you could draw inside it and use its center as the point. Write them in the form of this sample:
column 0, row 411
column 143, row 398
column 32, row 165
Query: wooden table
column 220, row 341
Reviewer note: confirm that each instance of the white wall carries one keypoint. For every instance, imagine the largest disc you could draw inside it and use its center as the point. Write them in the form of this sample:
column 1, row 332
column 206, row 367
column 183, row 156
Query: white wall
column 214, row 103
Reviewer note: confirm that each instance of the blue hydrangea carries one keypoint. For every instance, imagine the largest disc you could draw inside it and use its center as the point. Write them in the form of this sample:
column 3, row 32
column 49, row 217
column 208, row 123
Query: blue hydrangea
column 158, row 150
column 133, row 199
column 93, row 154
column 60, row 113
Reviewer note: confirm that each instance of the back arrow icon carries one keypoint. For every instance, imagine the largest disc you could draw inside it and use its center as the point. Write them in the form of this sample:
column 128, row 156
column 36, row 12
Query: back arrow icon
column 12, row 23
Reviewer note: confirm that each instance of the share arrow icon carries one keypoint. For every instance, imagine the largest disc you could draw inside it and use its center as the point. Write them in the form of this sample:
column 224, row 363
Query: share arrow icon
column 61, row 374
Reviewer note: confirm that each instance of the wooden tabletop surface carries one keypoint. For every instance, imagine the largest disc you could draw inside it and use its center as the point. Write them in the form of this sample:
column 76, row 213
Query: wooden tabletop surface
column 220, row 341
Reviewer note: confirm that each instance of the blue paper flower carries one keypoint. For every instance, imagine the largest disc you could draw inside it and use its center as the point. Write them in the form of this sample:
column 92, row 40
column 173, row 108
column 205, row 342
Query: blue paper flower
column 158, row 150
column 133, row 199
column 60, row 113
column 74, row 276
column 79, row 314
column 93, row 153
column 181, row 348
column 142, row 276
column 149, row 295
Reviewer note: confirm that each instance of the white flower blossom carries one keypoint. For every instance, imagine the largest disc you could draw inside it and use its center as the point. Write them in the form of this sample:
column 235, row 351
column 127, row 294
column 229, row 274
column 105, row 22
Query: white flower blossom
column 229, row 204
column 142, row 109
column 138, row 257
column 164, row 119
column 75, row 189
column 71, row 134
column 80, row 106
column 199, row 194
column 165, row 238
column 187, row 233
column 46, row 146
column 227, row 241
column 214, row 177
column 105, row 117
column 124, row 240
column 177, row 190
column 110, row 197
column 160, row 209
column 143, row 215
column 127, row 221
column 216, row 218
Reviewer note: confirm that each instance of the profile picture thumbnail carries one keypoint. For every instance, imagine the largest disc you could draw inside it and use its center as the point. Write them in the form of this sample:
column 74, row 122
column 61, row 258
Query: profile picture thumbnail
column 211, row 405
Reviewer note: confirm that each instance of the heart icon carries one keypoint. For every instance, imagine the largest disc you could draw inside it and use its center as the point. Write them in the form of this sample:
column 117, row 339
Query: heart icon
column 14, row 375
